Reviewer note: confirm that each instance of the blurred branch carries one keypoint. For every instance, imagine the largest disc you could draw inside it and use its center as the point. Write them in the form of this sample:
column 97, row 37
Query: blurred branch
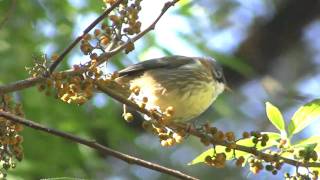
column 269, row 40
column 78, row 39
column 19, row 85
column 23, row 84
column 92, row 144
column 112, row 92
column 8, row 13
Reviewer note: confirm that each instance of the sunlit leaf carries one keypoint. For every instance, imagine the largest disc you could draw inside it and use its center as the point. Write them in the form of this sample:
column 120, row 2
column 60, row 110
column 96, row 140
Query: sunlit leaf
column 211, row 152
column 310, row 140
column 275, row 117
column 307, row 145
column 304, row 116
column 184, row 2
column 185, row 8
column 273, row 140
column 202, row 156
column 315, row 169
column 310, row 147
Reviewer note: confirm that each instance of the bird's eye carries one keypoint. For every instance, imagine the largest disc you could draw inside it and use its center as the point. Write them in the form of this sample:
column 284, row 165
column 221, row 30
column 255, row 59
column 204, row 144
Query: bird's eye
column 218, row 74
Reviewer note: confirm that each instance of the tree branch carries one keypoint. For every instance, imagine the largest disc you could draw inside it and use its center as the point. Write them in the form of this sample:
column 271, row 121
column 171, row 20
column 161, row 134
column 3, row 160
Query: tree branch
column 86, row 31
column 22, row 84
column 26, row 83
column 92, row 144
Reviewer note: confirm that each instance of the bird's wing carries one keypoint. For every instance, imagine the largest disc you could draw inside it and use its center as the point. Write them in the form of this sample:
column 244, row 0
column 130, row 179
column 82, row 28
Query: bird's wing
column 167, row 62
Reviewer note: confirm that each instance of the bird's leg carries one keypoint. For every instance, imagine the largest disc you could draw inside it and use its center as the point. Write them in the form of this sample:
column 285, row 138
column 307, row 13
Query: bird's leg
column 124, row 110
column 193, row 125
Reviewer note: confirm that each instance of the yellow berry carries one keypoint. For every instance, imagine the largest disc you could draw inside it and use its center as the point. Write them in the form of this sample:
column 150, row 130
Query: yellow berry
column 135, row 90
column 41, row 87
column 18, row 139
column 230, row 136
column 245, row 135
column 213, row 130
column 164, row 143
column 171, row 141
column 129, row 47
column 115, row 19
column 54, row 57
column 104, row 40
column 169, row 110
column 18, row 127
column 97, row 32
column 220, row 136
column 145, row 99
column 177, row 137
column 128, row 117
column 86, row 37
column 240, row 161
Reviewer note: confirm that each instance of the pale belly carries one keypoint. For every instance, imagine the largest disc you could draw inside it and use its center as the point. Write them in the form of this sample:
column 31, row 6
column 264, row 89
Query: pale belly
column 186, row 104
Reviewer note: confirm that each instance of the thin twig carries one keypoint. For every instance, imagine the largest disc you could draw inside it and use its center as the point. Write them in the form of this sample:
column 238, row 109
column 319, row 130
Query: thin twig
column 26, row 83
column 22, row 84
column 103, row 149
column 107, row 55
column 86, row 31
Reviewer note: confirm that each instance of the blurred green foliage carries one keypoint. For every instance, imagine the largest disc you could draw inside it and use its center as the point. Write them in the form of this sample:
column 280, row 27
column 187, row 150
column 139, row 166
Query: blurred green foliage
column 29, row 28
column 23, row 36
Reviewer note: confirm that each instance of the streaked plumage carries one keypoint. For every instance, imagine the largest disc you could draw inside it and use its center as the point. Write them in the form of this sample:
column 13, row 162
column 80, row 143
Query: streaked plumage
column 188, row 84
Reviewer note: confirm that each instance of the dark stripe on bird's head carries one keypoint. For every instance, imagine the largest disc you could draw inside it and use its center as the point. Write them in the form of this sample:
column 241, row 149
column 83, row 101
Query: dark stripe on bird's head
column 214, row 67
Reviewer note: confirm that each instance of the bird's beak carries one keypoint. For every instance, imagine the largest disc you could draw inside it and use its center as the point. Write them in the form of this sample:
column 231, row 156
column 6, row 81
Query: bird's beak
column 227, row 88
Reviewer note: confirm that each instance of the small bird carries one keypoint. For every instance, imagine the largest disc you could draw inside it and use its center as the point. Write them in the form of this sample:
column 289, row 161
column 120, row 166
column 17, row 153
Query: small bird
column 187, row 84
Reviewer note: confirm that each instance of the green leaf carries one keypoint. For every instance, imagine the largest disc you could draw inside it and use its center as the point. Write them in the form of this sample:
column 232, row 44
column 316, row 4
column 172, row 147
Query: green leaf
column 304, row 116
column 184, row 2
column 310, row 140
column 275, row 117
column 310, row 147
column 314, row 169
column 307, row 145
column 273, row 138
column 211, row 152
column 202, row 156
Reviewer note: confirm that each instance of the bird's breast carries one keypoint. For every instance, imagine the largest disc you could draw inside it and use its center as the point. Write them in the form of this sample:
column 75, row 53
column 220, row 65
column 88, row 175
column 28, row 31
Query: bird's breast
column 188, row 98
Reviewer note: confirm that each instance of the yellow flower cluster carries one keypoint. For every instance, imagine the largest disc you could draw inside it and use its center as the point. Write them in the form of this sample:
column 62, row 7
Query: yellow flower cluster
column 10, row 140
